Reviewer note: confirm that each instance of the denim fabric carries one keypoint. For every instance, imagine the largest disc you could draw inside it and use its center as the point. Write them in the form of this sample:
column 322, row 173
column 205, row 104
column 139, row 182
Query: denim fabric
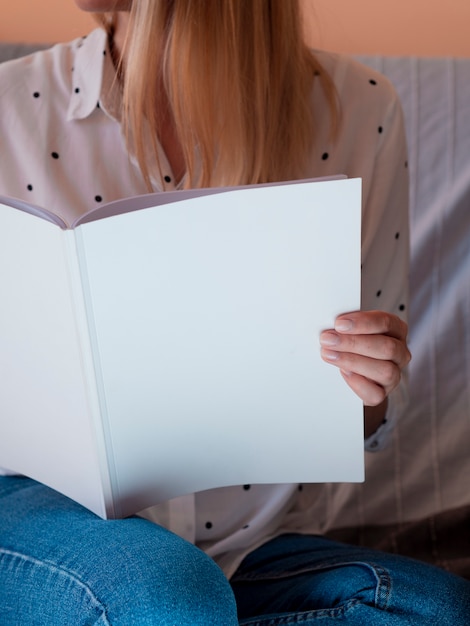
column 301, row 579
column 60, row 565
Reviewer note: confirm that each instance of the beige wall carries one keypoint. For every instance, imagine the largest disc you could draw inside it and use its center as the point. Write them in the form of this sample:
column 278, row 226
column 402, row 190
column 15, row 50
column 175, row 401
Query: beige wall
column 422, row 27
column 42, row 20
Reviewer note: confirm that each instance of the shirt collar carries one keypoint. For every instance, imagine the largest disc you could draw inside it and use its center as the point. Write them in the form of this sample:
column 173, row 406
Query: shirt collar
column 95, row 83
column 94, row 78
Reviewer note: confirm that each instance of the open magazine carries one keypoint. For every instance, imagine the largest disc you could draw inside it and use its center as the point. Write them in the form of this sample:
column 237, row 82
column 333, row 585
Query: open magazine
column 168, row 343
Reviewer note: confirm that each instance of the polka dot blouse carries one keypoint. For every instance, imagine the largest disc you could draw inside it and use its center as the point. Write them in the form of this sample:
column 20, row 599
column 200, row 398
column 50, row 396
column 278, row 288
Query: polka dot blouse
column 62, row 147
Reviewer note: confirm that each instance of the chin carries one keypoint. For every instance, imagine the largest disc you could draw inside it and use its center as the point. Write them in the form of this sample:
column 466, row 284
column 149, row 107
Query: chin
column 103, row 5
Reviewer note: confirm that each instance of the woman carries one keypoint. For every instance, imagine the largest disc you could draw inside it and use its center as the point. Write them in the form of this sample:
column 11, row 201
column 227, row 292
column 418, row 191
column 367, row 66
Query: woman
column 194, row 93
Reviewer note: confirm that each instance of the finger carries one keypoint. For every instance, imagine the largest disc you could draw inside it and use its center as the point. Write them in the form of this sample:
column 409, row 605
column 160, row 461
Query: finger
column 381, row 347
column 371, row 323
column 386, row 374
column 369, row 392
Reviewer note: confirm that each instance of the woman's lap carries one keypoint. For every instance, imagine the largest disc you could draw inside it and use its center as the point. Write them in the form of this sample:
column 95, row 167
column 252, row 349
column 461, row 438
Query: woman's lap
column 302, row 579
column 60, row 565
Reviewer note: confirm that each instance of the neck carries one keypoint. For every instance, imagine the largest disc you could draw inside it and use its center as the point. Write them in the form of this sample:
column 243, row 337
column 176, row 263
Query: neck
column 119, row 35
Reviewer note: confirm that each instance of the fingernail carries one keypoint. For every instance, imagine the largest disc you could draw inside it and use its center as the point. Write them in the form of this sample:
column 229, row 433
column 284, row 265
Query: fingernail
column 343, row 325
column 329, row 355
column 329, row 339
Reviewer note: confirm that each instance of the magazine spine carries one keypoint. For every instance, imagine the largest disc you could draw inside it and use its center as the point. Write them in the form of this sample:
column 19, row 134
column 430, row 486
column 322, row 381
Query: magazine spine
column 91, row 367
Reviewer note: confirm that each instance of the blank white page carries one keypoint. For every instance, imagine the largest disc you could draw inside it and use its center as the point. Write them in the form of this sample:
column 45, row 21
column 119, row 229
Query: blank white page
column 46, row 429
column 206, row 318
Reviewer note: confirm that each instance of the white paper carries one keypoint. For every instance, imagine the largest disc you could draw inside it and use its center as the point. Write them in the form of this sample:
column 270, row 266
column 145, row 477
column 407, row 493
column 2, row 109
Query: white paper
column 205, row 318
column 46, row 430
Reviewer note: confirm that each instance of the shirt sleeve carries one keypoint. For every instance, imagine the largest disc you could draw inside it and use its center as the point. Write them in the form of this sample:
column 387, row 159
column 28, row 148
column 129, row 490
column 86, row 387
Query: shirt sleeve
column 385, row 250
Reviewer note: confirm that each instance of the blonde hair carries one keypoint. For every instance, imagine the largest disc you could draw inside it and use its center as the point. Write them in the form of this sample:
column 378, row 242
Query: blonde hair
column 238, row 78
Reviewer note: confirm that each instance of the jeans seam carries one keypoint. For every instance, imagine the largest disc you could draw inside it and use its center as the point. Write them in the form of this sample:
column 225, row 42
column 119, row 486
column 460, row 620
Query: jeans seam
column 384, row 586
column 383, row 581
column 298, row 618
column 63, row 572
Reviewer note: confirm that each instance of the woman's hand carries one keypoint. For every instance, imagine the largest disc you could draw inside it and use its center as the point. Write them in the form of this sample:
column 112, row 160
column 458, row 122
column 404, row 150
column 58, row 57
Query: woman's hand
column 370, row 349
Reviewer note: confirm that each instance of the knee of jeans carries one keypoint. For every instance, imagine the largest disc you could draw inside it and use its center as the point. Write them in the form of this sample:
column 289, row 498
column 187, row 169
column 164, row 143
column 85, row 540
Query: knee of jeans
column 159, row 573
column 164, row 581
column 200, row 593
column 41, row 592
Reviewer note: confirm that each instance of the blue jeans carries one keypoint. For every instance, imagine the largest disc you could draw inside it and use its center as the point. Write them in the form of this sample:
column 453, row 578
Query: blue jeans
column 310, row 580
column 60, row 565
